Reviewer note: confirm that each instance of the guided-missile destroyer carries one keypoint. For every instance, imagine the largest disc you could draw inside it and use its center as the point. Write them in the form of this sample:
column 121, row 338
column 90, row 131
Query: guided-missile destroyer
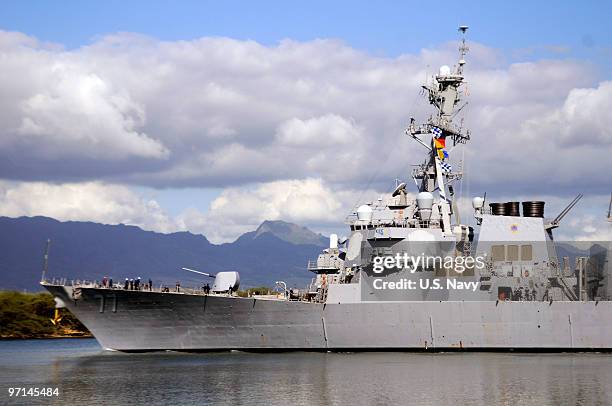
column 409, row 276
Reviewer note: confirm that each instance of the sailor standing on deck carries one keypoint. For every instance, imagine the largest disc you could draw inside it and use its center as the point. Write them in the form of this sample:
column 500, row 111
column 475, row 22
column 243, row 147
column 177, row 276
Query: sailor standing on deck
column 127, row 283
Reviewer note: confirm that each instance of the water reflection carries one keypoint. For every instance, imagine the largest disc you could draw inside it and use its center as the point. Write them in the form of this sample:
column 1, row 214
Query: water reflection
column 84, row 373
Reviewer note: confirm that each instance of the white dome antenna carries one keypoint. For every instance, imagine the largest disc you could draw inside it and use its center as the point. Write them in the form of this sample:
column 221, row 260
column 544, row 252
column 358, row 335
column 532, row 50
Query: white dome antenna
column 477, row 202
column 425, row 203
column 333, row 241
column 364, row 213
column 445, row 70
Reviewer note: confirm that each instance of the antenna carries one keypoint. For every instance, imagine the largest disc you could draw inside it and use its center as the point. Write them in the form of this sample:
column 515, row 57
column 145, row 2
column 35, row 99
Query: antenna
column 463, row 49
column 399, row 189
column 557, row 220
column 46, row 261
column 201, row 273
column 444, row 95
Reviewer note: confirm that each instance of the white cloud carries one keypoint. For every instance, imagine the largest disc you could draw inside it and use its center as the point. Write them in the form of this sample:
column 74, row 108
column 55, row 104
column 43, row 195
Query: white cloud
column 57, row 107
column 80, row 113
column 583, row 119
column 92, row 201
column 220, row 112
column 588, row 227
column 234, row 212
column 238, row 210
column 291, row 131
column 318, row 132
column 308, row 202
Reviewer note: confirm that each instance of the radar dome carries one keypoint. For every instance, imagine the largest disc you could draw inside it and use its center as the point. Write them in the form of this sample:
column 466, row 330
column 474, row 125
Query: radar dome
column 445, row 70
column 425, row 203
column 364, row 213
column 333, row 241
column 424, row 200
column 477, row 202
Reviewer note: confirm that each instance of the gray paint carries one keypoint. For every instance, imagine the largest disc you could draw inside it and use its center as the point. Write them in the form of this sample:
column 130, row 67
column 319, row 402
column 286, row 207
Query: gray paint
column 341, row 312
column 156, row 321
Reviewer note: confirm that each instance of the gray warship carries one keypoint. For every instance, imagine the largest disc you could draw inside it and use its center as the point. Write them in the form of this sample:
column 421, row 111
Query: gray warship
column 388, row 285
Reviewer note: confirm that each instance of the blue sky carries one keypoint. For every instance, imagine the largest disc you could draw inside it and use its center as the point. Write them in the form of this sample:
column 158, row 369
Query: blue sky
column 380, row 27
column 90, row 114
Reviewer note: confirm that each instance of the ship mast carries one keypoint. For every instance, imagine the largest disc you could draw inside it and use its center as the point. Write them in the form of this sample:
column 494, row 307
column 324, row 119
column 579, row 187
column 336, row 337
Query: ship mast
column 445, row 95
column 43, row 277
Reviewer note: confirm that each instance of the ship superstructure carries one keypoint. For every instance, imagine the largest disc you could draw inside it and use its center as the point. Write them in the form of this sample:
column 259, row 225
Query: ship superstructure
column 377, row 289
column 518, row 251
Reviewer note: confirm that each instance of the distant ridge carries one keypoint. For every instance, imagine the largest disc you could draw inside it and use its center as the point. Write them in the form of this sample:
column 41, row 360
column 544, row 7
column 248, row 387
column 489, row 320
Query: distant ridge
column 289, row 232
column 276, row 250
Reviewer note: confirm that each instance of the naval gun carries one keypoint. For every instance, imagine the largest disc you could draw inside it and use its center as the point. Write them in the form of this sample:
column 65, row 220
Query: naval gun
column 226, row 281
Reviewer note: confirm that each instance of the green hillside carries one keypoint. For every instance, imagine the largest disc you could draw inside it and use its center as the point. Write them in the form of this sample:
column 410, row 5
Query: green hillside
column 28, row 315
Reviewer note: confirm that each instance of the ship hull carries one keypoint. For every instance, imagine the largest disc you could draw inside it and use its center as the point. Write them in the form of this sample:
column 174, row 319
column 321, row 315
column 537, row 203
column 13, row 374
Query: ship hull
column 150, row 321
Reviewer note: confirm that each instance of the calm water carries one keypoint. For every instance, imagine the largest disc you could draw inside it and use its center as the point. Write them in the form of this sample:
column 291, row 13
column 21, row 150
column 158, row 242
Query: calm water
column 85, row 374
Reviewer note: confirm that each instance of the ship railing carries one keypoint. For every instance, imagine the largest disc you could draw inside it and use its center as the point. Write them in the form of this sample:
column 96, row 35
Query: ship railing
column 395, row 223
column 312, row 265
column 85, row 283
column 324, row 265
column 315, row 292
column 350, row 219
column 312, row 288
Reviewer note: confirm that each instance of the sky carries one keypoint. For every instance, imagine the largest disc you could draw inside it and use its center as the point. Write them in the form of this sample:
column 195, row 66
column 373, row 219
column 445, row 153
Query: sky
column 211, row 117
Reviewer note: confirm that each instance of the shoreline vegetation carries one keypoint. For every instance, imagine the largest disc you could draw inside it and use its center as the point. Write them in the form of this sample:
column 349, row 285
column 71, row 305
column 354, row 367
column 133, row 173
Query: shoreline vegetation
column 29, row 315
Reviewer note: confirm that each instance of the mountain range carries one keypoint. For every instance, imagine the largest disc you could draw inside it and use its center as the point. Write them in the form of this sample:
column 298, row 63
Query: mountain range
column 276, row 250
